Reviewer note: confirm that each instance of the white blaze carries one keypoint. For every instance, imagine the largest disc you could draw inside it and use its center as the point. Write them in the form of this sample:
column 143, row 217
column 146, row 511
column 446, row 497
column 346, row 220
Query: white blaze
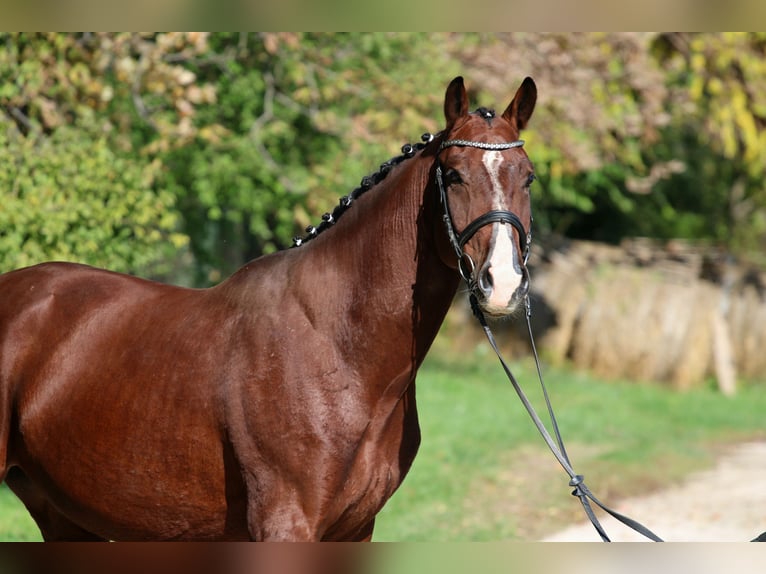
column 492, row 160
column 503, row 257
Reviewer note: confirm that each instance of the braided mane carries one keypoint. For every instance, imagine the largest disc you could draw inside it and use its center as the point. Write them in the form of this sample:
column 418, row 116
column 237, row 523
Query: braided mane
column 367, row 183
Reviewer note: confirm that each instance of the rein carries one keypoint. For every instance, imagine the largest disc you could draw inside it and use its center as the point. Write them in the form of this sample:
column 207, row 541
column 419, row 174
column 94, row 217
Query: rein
column 458, row 241
column 577, row 481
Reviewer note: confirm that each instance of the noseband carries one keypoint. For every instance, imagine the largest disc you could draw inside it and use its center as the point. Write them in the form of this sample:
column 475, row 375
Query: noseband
column 458, row 240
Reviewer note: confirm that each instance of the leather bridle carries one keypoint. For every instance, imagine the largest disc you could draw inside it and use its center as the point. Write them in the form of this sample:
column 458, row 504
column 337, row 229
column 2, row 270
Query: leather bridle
column 459, row 239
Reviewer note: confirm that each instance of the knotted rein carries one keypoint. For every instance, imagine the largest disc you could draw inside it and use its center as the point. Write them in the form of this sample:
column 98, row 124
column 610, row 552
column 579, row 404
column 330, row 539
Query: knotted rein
column 458, row 241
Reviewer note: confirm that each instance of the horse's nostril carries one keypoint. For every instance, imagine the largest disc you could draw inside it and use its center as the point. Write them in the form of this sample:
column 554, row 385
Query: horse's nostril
column 485, row 281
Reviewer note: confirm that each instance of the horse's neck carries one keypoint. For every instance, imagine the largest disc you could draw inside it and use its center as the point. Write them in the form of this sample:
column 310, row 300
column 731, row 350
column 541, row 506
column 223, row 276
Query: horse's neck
column 382, row 277
column 372, row 286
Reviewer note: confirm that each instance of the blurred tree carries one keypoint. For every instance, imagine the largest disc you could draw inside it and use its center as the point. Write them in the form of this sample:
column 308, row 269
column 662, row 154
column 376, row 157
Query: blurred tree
column 718, row 83
column 69, row 186
column 229, row 131
column 298, row 120
column 602, row 103
column 69, row 197
column 660, row 135
column 232, row 143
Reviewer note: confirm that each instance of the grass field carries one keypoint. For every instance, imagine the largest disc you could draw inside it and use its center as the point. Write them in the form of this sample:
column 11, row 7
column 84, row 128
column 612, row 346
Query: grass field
column 483, row 473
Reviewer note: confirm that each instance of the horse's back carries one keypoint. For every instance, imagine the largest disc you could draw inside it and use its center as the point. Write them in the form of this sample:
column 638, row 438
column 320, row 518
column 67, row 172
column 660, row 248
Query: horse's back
column 64, row 288
column 57, row 313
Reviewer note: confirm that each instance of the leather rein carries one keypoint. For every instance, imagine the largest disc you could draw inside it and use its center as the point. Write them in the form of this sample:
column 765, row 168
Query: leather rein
column 458, row 241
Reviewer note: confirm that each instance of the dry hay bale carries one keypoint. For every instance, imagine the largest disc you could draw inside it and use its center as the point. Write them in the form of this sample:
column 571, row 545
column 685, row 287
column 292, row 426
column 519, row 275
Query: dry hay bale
column 746, row 318
column 643, row 318
column 634, row 324
column 561, row 286
column 694, row 360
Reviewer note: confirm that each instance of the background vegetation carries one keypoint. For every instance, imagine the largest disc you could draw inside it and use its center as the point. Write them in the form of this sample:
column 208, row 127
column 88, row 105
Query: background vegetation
column 182, row 155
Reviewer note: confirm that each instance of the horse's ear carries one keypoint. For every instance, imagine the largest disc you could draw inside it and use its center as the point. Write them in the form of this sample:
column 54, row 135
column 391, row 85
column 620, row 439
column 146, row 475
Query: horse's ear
column 522, row 105
column 455, row 101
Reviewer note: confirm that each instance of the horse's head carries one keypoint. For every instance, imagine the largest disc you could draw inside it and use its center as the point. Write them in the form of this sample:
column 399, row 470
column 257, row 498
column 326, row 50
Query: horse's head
column 483, row 176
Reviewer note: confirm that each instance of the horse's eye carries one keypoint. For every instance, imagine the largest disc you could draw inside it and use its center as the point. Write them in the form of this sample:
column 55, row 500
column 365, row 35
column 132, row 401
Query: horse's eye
column 530, row 179
column 452, row 176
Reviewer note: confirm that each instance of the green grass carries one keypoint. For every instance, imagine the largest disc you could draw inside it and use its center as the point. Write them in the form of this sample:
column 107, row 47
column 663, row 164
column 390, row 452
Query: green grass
column 483, row 473
column 15, row 523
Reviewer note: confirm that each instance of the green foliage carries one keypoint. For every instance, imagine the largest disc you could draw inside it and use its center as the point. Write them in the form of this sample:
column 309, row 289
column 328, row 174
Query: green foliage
column 483, row 473
column 298, row 120
column 643, row 134
column 719, row 133
column 71, row 184
column 601, row 103
column 68, row 197
column 235, row 142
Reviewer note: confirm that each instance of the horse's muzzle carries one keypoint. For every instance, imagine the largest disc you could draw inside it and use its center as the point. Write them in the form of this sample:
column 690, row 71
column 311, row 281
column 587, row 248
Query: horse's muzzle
column 495, row 302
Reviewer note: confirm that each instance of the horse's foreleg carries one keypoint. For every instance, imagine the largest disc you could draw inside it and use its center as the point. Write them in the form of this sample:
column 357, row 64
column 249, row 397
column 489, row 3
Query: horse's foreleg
column 286, row 522
column 282, row 523
column 365, row 533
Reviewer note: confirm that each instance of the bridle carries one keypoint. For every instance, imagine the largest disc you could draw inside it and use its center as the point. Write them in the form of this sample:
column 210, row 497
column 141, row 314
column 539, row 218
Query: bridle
column 459, row 239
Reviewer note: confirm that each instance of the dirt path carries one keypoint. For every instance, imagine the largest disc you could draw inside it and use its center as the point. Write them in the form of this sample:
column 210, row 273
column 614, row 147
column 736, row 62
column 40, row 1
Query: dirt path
column 726, row 503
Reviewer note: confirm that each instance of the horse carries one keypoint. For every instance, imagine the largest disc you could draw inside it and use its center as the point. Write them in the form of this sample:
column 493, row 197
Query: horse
column 280, row 403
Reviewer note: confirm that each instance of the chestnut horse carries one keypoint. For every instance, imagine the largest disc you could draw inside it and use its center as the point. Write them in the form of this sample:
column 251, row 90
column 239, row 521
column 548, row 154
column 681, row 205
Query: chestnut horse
column 279, row 404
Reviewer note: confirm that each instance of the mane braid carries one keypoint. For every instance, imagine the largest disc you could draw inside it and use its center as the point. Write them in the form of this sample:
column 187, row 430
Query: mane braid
column 367, row 183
